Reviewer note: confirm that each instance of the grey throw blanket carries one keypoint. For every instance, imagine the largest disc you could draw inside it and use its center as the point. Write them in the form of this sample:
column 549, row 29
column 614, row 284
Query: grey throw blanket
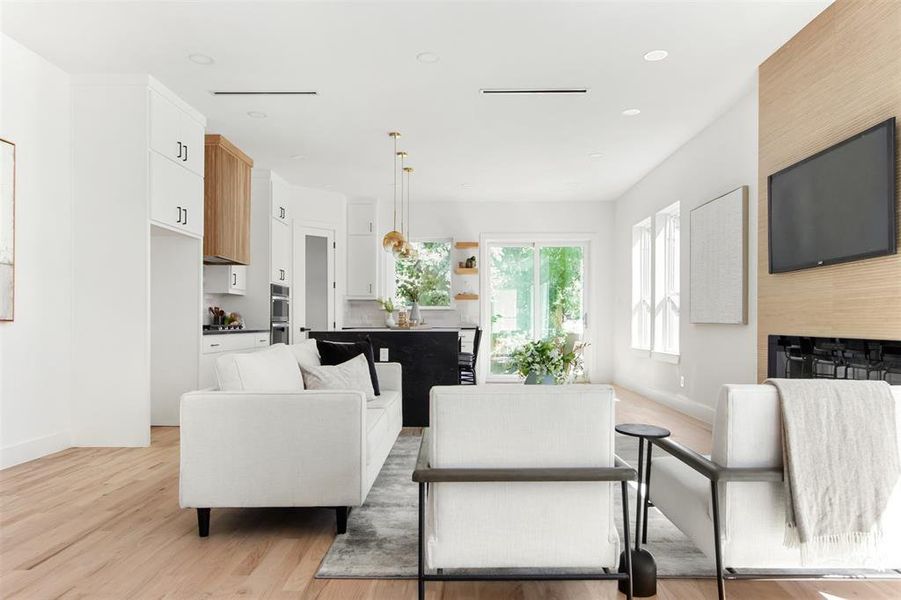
column 840, row 454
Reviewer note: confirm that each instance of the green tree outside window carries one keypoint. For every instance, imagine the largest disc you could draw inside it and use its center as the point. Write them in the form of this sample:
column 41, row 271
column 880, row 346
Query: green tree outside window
column 426, row 278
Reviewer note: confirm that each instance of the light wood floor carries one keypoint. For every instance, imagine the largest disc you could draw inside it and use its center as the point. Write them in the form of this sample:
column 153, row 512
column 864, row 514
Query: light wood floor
column 105, row 523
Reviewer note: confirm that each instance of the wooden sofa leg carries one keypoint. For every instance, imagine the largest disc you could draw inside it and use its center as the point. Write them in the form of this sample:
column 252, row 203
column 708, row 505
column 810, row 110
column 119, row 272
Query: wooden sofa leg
column 341, row 514
column 203, row 522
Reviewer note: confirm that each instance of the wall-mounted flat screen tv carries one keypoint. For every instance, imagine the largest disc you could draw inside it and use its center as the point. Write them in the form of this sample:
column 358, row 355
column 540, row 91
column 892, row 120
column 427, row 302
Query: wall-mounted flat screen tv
column 836, row 206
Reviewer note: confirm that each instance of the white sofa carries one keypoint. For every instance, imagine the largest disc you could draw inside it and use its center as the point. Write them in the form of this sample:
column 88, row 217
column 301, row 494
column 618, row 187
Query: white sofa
column 267, row 449
column 747, row 436
column 519, row 476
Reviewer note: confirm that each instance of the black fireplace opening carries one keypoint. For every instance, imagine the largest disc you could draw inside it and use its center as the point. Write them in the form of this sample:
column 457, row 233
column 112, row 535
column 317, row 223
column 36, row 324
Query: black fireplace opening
column 803, row 357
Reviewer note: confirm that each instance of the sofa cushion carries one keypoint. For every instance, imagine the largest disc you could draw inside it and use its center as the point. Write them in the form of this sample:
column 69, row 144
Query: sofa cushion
column 387, row 399
column 306, row 353
column 350, row 375
column 271, row 370
column 227, row 373
column 335, row 353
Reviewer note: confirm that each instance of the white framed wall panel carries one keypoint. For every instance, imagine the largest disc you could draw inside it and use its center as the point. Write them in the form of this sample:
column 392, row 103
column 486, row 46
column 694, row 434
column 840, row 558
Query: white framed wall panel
column 718, row 267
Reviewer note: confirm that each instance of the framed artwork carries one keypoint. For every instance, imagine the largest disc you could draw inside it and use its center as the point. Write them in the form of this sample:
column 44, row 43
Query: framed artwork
column 7, row 229
column 718, row 268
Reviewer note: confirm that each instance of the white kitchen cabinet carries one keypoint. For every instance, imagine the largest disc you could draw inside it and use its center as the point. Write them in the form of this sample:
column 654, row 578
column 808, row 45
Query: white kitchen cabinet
column 364, row 248
column 175, row 134
column 191, row 134
column 280, row 193
column 164, row 125
column 362, row 267
column 280, row 246
column 225, row 279
column 361, row 219
column 176, row 196
column 280, row 211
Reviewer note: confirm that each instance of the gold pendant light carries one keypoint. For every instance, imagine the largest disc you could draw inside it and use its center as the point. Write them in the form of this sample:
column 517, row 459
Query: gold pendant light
column 400, row 249
column 394, row 239
column 408, row 251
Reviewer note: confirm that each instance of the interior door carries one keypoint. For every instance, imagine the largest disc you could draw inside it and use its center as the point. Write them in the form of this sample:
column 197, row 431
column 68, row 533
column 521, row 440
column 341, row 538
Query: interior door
column 313, row 297
column 537, row 290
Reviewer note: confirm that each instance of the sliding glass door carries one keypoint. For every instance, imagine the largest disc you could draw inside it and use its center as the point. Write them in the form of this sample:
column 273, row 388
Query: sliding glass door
column 536, row 291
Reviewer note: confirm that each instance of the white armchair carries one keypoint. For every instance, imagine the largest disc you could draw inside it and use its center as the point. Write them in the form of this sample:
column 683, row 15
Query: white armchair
column 731, row 504
column 307, row 448
column 520, row 476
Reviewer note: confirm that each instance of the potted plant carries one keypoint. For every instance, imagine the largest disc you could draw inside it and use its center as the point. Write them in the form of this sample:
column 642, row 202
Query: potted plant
column 550, row 361
column 387, row 305
column 410, row 290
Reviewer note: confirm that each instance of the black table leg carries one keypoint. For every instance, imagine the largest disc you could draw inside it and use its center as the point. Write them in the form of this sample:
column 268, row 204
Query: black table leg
column 644, row 567
column 647, row 495
column 638, row 495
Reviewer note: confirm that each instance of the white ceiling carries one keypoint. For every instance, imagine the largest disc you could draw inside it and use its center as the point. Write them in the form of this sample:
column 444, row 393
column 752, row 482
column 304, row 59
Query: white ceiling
column 361, row 58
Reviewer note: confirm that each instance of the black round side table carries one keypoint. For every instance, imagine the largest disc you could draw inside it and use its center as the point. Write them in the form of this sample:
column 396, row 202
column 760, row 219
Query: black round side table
column 644, row 568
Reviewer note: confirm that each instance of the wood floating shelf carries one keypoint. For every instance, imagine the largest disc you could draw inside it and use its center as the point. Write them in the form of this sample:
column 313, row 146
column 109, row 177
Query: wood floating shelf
column 466, row 270
column 465, row 245
column 466, row 297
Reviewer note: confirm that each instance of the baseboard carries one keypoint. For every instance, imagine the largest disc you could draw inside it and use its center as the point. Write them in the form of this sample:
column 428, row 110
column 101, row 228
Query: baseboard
column 678, row 402
column 17, row 454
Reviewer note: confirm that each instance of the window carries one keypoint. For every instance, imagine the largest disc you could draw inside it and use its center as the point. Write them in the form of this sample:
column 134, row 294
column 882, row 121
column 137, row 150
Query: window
column 666, row 281
column 641, row 285
column 429, row 273
column 536, row 291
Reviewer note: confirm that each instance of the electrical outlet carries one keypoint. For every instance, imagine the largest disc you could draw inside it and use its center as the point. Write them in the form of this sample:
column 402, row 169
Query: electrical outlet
column 682, row 381
column 383, row 355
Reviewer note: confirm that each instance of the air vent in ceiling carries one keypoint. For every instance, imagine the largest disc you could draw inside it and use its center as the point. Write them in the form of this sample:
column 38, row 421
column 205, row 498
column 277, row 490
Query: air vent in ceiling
column 263, row 93
column 526, row 91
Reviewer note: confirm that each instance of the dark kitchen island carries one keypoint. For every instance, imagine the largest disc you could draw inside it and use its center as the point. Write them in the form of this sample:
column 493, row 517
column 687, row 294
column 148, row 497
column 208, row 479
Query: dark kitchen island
column 428, row 358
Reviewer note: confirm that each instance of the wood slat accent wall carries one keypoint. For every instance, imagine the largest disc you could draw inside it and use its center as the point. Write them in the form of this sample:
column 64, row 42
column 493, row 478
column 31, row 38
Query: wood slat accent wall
column 839, row 75
column 226, row 214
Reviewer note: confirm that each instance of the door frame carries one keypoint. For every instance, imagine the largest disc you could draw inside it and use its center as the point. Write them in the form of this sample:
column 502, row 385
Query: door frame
column 536, row 240
column 299, row 272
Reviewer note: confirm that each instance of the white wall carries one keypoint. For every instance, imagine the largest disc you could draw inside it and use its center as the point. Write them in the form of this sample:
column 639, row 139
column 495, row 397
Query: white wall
column 468, row 221
column 111, row 271
column 719, row 159
column 36, row 348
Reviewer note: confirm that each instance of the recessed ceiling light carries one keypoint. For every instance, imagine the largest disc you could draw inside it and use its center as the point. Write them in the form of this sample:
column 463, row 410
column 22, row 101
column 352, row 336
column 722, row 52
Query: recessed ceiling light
column 428, row 57
column 655, row 55
column 595, row 155
column 466, row 186
column 631, row 112
column 297, row 156
column 255, row 114
column 201, row 59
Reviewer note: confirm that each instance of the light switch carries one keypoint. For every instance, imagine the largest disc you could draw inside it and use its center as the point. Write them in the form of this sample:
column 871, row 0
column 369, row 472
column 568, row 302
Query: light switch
column 383, row 355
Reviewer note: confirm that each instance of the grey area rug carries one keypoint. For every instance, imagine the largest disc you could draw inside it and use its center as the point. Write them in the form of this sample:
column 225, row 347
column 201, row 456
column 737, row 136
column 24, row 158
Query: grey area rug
column 381, row 538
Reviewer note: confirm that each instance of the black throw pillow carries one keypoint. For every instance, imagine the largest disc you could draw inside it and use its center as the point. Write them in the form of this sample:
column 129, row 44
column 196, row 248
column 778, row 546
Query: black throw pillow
column 335, row 353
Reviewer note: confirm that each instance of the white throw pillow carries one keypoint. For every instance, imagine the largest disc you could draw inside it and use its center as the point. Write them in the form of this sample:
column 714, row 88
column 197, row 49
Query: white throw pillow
column 306, row 353
column 227, row 373
column 350, row 375
column 270, row 370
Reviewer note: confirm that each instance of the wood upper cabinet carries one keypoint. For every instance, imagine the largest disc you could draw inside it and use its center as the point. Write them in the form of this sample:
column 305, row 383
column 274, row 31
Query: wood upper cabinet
column 226, row 212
